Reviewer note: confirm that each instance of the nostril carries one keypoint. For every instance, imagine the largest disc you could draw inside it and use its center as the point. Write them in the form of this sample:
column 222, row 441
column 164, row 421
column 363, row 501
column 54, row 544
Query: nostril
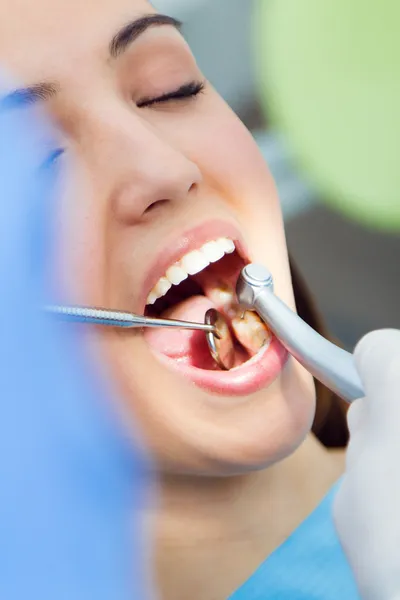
column 154, row 205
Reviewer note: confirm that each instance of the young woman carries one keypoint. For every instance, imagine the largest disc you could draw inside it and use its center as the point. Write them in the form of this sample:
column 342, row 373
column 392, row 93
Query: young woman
column 167, row 198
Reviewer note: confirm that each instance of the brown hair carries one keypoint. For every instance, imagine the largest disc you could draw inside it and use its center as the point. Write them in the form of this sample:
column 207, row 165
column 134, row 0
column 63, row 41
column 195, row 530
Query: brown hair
column 330, row 423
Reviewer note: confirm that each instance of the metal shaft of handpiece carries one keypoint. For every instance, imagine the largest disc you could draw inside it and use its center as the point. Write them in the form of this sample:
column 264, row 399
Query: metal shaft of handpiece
column 115, row 318
column 328, row 363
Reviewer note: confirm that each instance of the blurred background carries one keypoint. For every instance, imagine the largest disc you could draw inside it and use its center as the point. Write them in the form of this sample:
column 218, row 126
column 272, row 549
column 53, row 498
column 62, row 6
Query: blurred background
column 353, row 271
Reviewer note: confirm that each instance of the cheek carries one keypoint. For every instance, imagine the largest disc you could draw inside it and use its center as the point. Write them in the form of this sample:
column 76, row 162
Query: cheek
column 229, row 157
column 232, row 162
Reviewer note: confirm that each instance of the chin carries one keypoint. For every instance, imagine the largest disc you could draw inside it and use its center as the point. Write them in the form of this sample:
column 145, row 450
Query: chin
column 272, row 425
column 255, row 431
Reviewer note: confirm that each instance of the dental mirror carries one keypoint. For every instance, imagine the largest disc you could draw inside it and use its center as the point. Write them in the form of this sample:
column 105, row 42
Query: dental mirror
column 220, row 343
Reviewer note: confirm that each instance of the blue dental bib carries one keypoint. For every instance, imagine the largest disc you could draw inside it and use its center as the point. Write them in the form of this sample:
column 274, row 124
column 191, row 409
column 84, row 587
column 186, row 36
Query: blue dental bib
column 310, row 565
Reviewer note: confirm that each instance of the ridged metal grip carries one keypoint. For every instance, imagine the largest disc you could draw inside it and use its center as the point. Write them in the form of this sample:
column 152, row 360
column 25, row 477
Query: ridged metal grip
column 95, row 316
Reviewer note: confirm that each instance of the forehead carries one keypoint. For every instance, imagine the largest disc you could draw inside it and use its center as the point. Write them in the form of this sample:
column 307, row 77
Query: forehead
column 37, row 37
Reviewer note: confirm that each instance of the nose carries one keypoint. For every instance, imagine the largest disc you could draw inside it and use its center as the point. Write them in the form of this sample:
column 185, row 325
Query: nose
column 140, row 167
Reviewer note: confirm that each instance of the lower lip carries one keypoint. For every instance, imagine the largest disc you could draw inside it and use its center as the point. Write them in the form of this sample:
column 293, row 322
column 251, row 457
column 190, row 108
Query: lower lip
column 258, row 373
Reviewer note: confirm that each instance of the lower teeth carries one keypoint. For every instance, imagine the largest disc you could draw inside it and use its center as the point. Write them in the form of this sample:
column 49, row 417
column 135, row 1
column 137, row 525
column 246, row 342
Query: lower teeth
column 251, row 332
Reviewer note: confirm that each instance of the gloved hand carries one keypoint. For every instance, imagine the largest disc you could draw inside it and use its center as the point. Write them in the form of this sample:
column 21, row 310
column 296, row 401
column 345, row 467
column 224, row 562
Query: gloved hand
column 70, row 480
column 367, row 506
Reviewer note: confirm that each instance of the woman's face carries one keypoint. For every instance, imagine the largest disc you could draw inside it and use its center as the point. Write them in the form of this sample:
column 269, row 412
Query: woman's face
column 162, row 167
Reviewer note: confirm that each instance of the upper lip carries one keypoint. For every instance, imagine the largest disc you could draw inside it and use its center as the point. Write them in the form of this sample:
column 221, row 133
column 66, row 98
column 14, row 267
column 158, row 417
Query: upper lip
column 192, row 239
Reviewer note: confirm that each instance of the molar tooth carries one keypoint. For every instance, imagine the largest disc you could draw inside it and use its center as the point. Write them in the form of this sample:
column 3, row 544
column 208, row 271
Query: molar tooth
column 194, row 262
column 251, row 332
column 213, row 251
column 227, row 244
column 176, row 275
column 221, row 296
column 162, row 287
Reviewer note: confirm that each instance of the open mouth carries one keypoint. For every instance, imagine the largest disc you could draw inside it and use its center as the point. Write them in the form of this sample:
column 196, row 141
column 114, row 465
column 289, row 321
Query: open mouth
column 202, row 279
column 200, row 271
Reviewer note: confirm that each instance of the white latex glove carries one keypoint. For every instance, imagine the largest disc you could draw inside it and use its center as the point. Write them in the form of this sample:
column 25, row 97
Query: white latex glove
column 367, row 507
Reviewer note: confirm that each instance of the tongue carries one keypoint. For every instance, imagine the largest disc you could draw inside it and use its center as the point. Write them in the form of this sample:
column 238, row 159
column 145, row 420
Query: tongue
column 189, row 347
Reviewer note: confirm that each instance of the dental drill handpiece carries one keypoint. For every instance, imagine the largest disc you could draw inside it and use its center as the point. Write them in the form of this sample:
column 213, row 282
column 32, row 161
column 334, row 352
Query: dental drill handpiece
column 328, row 363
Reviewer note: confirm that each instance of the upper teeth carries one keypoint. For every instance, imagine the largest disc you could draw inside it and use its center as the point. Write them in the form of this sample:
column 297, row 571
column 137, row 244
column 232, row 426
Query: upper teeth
column 192, row 263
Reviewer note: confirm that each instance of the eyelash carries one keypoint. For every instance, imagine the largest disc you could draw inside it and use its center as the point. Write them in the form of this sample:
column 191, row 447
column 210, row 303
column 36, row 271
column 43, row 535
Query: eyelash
column 186, row 91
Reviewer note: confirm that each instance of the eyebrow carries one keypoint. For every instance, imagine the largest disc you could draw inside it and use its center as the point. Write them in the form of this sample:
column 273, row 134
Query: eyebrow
column 30, row 95
column 44, row 91
column 128, row 34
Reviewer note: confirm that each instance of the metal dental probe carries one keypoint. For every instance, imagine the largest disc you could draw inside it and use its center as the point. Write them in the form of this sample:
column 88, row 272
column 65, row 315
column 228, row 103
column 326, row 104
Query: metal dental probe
column 117, row 318
column 328, row 363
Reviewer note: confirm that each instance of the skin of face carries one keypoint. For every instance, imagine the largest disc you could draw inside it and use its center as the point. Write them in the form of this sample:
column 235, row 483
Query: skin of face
column 139, row 178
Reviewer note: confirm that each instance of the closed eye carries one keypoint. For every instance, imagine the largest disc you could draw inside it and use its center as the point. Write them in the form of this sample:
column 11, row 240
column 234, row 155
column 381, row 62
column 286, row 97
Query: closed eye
column 186, row 91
